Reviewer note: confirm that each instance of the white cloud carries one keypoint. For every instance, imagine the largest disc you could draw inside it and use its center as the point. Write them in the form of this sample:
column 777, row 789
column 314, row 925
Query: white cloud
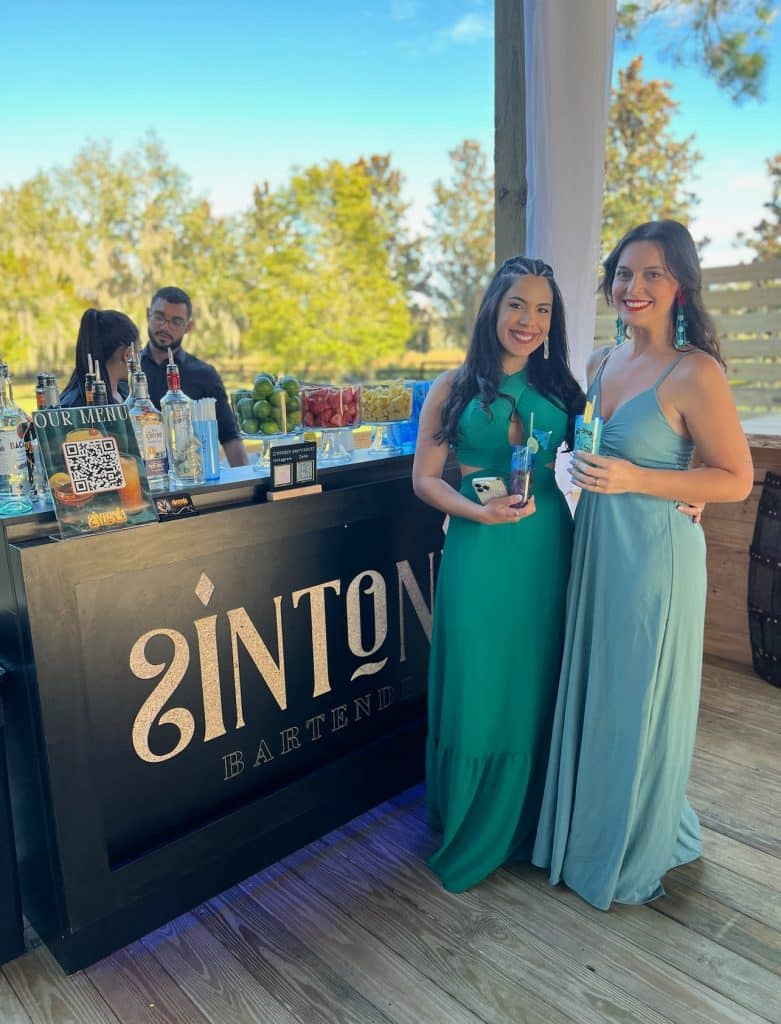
column 470, row 28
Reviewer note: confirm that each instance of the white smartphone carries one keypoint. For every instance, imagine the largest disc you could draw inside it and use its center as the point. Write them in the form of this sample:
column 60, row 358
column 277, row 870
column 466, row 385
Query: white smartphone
column 488, row 487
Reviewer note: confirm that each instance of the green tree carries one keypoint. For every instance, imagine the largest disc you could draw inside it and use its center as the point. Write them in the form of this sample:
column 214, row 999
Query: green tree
column 105, row 231
column 723, row 37
column 647, row 170
column 319, row 271
column 38, row 295
column 766, row 239
column 462, row 240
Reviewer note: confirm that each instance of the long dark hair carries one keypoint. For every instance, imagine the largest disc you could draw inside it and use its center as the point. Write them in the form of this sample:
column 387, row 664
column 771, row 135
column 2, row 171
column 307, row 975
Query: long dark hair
column 681, row 260
column 481, row 372
column 101, row 333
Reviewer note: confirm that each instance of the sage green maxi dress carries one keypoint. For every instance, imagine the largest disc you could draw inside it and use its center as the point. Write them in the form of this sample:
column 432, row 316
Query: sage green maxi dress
column 496, row 651
column 615, row 816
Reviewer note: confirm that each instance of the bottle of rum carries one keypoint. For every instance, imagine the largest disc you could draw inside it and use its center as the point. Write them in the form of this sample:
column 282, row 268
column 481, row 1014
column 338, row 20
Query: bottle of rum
column 15, row 490
column 148, row 427
column 184, row 450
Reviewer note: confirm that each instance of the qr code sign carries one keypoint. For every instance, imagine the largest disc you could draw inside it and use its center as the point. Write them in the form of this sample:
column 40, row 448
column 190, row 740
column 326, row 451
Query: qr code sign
column 306, row 471
column 94, row 466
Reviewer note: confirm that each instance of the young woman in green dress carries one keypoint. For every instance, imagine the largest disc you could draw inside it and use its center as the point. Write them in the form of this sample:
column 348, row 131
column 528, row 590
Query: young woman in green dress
column 499, row 606
column 615, row 816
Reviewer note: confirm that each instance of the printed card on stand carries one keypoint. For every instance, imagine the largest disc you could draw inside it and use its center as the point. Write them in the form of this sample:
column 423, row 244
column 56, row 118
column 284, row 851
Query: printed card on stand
column 94, row 469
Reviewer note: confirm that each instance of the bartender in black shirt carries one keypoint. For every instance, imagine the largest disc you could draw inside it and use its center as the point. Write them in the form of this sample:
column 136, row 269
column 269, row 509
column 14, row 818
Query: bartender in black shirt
column 169, row 318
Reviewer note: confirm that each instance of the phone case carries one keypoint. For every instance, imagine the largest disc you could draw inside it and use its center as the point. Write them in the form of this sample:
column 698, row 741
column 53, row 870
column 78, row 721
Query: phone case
column 488, row 487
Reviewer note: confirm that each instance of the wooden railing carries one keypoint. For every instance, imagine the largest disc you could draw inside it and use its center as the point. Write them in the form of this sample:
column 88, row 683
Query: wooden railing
column 745, row 302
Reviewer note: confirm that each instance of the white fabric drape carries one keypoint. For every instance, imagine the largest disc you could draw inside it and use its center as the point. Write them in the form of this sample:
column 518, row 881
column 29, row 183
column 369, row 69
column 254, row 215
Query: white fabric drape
column 569, row 61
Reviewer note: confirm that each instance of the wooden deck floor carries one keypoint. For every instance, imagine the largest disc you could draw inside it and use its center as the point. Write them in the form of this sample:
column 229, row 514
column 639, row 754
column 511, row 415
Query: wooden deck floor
column 354, row 930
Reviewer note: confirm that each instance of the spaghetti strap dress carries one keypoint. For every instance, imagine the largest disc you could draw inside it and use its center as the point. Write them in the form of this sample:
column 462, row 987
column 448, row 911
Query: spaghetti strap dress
column 496, row 650
column 615, row 817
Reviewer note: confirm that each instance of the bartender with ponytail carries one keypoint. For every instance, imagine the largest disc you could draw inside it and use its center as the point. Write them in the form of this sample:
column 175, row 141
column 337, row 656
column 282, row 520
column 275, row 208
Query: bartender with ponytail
column 103, row 346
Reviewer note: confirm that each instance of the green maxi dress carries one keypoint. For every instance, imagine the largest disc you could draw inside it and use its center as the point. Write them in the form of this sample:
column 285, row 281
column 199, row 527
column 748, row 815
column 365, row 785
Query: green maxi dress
column 496, row 651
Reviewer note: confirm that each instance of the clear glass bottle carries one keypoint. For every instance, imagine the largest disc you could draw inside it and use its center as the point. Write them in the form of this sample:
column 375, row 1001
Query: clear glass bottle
column 184, row 454
column 150, row 433
column 15, row 489
column 51, row 392
column 132, row 370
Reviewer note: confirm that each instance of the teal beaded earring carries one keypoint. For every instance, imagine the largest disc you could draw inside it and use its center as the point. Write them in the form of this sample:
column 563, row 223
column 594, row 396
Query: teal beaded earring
column 680, row 341
column 620, row 331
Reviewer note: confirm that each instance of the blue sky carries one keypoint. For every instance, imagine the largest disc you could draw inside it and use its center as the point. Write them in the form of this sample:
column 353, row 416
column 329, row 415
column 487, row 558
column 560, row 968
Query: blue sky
column 243, row 91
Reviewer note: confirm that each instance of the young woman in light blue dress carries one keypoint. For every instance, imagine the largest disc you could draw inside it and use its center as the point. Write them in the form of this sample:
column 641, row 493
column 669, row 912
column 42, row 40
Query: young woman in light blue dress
column 614, row 815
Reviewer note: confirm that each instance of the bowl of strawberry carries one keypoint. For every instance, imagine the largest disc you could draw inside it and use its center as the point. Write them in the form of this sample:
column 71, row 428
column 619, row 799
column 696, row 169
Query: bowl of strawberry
column 332, row 410
column 328, row 407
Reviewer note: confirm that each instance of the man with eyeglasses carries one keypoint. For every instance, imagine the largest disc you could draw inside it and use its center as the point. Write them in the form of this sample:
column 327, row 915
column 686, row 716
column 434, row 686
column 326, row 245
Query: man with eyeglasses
column 169, row 318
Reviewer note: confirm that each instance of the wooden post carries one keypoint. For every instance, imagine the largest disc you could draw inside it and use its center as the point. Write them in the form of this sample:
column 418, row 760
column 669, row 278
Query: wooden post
column 509, row 130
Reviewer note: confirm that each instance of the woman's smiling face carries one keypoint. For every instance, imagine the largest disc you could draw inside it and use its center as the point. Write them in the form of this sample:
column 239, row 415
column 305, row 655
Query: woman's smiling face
column 523, row 320
column 643, row 288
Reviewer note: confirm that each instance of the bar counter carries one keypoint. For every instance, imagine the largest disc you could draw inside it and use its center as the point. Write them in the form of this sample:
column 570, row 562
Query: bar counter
column 188, row 701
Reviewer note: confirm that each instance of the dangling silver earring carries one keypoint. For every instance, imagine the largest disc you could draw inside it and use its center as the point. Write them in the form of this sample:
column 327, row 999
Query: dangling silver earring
column 680, row 341
column 545, row 348
column 620, row 331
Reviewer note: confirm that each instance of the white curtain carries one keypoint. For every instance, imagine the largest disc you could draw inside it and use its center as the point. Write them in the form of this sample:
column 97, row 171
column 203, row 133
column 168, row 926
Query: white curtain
column 569, row 61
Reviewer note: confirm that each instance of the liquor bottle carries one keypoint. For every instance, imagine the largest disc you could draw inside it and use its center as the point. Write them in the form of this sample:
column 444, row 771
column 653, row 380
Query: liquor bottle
column 51, row 393
column 132, row 369
column 15, row 491
column 184, row 455
column 99, row 393
column 39, row 484
column 89, row 387
column 148, row 427
column 40, row 391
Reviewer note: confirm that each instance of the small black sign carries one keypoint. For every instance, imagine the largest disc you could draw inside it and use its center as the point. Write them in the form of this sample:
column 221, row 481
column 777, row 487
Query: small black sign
column 174, row 506
column 293, row 465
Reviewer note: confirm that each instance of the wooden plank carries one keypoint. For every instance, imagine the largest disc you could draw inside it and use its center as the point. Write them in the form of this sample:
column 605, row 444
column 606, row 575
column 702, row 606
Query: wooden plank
column 743, row 860
column 511, row 189
column 11, row 1010
column 364, row 887
column 749, row 348
column 211, row 978
column 517, row 944
column 758, row 296
column 767, row 270
column 754, row 899
column 51, row 997
column 710, row 917
column 748, row 746
column 697, row 956
column 366, row 964
column 743, row 697
column 742, row 324
column 694, row 956
column 140, row 991
column 746, row 374
column 282, row 964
